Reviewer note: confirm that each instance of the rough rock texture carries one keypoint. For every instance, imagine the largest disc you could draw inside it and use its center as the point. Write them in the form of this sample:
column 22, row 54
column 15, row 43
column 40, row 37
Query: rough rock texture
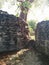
column 42, row 36
column 13, row 32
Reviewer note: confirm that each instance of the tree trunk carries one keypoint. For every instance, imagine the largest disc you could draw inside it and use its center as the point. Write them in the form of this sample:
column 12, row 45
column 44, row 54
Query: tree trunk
column 24, row 12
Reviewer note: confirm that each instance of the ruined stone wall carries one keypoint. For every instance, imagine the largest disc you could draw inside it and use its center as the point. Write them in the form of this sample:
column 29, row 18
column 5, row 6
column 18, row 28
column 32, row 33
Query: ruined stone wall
column 42, row 36
column 13, row 32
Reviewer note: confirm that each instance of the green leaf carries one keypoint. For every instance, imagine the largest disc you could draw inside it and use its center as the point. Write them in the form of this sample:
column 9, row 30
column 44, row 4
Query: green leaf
column 26, row 4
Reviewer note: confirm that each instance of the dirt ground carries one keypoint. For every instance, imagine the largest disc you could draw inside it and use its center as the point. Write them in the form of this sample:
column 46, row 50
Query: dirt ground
column 23, row 57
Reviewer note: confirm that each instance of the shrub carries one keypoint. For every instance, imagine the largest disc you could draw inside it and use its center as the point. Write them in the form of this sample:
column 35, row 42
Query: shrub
column 32, row 24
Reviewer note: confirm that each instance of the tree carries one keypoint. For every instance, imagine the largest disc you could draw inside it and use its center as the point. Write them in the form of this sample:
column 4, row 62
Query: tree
column 25, row 5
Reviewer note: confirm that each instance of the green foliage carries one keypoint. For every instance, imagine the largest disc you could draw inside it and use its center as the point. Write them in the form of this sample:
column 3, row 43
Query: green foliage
column 17, row 15
column 30, row 30
column 26, row 4
column 32, row 24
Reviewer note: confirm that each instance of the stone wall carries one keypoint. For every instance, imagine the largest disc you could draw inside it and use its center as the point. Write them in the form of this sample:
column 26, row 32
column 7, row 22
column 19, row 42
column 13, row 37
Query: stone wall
column 13, row 32
column 42, row 36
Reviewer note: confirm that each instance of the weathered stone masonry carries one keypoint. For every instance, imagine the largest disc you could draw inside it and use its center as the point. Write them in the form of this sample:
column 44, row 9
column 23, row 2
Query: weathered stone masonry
column 42, row 36
column 13, row 32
